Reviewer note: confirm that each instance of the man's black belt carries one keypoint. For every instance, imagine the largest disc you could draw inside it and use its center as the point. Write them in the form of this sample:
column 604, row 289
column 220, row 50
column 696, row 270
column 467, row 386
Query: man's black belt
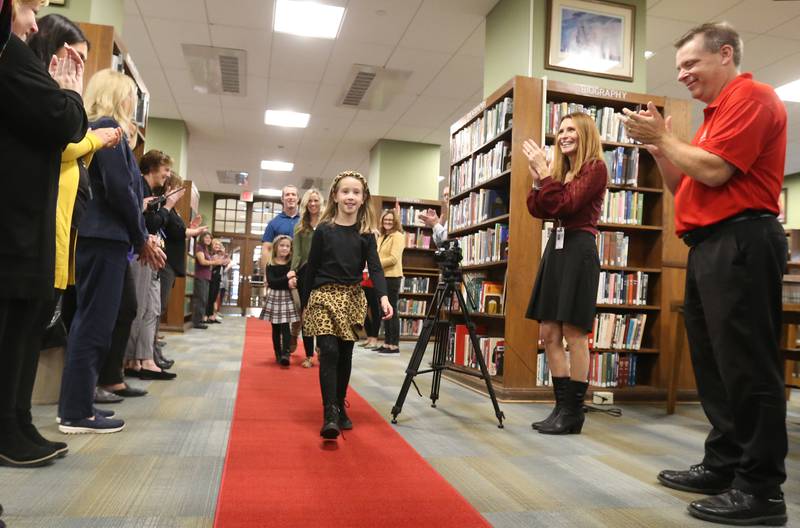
column 697, row 235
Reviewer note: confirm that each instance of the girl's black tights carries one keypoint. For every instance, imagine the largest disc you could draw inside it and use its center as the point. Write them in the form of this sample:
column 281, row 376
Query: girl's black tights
column 308, row 344
column 281, row 334
column 335, row 363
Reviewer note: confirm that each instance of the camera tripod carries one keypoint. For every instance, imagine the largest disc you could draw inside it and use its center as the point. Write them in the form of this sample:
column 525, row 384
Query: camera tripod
column 447, row 287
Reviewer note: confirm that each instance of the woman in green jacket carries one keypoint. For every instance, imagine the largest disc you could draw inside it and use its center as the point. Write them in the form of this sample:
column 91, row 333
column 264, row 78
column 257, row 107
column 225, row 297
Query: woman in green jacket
column 310, row 209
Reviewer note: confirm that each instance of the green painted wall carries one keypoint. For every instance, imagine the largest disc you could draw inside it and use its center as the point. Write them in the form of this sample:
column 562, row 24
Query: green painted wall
column 508, row 43
column 207, row 208
column 172, row 137
column 792, row 184
column 405, row 169
column 108, row 12
column 512, row 36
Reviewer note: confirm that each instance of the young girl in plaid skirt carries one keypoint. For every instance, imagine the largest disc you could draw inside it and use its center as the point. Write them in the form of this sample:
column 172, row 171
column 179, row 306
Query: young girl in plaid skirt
column 279, row 308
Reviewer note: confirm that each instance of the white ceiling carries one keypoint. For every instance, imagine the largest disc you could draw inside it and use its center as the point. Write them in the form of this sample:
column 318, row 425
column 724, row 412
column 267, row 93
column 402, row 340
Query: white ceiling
column 440, row 41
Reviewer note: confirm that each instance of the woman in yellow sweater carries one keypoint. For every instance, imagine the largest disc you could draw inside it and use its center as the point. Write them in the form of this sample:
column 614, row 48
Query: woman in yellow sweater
column 391, row 245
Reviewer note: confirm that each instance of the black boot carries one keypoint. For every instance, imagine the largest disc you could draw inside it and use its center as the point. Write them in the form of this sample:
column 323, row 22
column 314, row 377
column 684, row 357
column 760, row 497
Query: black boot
column 17, row 451
column 344, row 420
column 31, row 433
column 559, row 390
column 330, row 422
column 570, row 419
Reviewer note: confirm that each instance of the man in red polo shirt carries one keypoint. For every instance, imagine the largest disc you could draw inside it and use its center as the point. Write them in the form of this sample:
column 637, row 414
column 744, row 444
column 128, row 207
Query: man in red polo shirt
column 726, row 185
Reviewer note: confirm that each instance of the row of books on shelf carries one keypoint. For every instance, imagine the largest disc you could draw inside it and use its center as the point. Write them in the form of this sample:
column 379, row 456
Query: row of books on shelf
column 612, row 247
column 478, row 207
column 485, row 128
column 410, row 327
column 483, row 295
column 418, row 239
column 622, row 288
column 460, row 351
column 623, row 207
column 408, row 215
column 485, row 246
column 411, row 307
column 415, row 285
column 618, row 331
column 609, row 122
column 606, row 369
column 481, row 168
column 623, row 166
column 791, row 293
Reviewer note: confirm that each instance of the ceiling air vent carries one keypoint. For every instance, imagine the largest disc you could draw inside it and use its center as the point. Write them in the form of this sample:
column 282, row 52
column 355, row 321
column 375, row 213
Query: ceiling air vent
column 219, row 71
column 372, row 87
column 232, row 177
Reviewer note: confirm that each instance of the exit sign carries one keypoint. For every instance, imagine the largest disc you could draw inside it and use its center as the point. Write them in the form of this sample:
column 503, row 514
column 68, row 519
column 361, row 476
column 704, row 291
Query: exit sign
column 246, row 196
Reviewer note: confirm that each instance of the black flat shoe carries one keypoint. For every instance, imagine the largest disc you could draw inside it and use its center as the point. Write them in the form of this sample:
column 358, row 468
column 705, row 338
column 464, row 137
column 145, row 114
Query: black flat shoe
column 200, row 326
column 742, row 509
column 146, row 374
column 104, row 396
column 697, row 479
column 130, row 392
column 132, row 373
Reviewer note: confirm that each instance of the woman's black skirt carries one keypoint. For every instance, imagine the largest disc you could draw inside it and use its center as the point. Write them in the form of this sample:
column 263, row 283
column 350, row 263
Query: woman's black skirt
column 566, row 285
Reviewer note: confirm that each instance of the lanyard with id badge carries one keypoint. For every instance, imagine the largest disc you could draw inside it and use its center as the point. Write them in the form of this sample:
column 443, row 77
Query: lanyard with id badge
column 559, row 236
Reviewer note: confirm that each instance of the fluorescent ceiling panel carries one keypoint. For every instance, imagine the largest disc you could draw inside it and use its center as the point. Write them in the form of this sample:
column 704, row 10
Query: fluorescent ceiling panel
column 280, row 166
column 308, row 19
column 286, row 118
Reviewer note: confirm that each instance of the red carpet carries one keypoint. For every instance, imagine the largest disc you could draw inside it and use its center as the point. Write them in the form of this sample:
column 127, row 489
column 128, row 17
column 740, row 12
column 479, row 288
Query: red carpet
column 278, row 472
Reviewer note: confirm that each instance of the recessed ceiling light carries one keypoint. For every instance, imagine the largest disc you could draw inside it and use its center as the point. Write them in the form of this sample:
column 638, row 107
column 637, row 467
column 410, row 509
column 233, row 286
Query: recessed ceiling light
column 272, row 165
column 270, row 192
column 286, row 118
column 308, row 19
column 789, row 91
column 648, row 54
column 441, row 178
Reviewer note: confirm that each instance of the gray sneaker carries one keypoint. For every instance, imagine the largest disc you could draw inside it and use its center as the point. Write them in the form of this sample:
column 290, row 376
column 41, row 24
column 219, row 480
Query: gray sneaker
column 96, row 425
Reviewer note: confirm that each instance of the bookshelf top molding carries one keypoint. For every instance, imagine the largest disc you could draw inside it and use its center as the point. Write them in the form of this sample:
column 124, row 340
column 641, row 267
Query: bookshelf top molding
column 597, row 92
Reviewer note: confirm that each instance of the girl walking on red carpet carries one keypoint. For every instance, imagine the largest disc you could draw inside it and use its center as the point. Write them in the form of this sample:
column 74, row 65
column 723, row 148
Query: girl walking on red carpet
column 279, row 308
column 335, row 305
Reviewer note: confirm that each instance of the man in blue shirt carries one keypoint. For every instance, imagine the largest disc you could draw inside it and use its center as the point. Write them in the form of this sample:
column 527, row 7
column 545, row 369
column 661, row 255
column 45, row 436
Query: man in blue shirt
column 283, row 224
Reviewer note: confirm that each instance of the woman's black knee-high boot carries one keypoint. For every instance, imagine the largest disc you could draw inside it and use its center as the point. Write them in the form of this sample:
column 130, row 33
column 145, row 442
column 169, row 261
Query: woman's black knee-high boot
column 560, row 391
column 570, row 419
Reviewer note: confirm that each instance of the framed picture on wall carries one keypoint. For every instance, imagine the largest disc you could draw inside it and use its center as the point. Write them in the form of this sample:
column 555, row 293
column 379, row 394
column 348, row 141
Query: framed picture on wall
column 57, row 2
column 782, row 201
column 590, row 37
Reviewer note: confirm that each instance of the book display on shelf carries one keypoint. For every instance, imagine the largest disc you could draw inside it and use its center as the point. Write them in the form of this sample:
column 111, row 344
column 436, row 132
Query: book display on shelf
column 420, row 273
column 632, row 338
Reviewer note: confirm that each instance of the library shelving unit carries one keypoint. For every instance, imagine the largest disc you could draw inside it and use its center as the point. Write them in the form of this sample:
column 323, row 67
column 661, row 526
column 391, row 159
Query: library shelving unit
column 109, row 51
column 489, row 182
column 419, row 267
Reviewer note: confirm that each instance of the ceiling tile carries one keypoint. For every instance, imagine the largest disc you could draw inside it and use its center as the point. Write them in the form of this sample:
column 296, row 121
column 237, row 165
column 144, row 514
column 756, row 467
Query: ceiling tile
column 398, row 106
column 430, row 111
column 138, row 42
column 164, row 108
column 423, row 65
column 437, row 28
column 764, row 50
column 201, row 116
column 691, row 10
column 327, row 104
column 183, row 10
column 408, row 133
column 758, row 16
column 663, row 32
column 364, row 134
column 242, row 13
column 181, row 85
column 297, row 96
column 168, row 35
column 780, row 72
column 786, row 30
column 255, row 43
column 296, row 58
column 156, row 83
column 345, row 54
column 475, row 43
column 255, row 98
column 362, row 23
column 460, row 78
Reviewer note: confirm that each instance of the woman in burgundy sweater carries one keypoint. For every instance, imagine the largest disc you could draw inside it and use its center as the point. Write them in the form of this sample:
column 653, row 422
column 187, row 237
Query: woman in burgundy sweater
column 570, row 191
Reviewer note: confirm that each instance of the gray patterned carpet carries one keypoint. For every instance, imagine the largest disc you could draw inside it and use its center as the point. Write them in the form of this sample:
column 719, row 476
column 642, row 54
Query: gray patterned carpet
column 164, row 469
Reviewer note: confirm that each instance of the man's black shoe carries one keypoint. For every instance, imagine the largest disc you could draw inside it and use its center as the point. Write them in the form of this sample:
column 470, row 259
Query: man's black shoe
column 201, row 326
column 284, row 360
column 130, row 392
column 742, row 509
column 698, row 479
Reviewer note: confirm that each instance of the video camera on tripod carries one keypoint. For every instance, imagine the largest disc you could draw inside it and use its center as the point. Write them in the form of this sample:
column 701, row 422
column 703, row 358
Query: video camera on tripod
column 448, row 257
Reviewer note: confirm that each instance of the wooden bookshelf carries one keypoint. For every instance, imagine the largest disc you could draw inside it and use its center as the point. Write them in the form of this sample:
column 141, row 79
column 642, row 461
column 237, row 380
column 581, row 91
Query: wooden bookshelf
column 109, row 51
column 418, row 262
column 652, row 247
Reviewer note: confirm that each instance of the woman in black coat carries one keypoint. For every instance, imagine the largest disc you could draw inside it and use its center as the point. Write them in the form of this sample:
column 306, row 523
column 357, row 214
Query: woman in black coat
column 39, row 116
